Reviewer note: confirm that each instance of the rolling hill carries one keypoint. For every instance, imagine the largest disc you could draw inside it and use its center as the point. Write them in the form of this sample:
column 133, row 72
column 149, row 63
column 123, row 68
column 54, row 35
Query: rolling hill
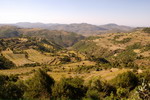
column 131, row 47
column 61, row 38
column 8, row 31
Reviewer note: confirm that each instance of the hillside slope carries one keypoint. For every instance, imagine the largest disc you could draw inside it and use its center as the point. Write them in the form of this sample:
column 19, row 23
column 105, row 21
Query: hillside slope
column 61, row 38
column 20, row 50
column 8, row 31
column 133, row 47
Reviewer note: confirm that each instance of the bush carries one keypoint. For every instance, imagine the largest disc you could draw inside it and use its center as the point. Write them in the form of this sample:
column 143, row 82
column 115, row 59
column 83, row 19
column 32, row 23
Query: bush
column 8, row 88
column 93, row 94
column 65, row 59
column 144, row 76
column 144, row 90
column 122, row 92
column 5, row 63
column 126, row 80
column 11, row 91
column 69, row 88
column 98, row 89
column 146, row 30
column 39, row 86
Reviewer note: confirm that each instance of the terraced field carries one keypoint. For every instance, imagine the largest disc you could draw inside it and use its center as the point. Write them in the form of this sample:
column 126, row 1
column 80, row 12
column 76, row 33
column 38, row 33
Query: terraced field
column 36, row 56
column 17, row 59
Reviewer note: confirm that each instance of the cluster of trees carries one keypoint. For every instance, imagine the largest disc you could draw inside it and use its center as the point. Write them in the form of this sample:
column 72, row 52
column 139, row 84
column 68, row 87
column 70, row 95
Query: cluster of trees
column 42, row 86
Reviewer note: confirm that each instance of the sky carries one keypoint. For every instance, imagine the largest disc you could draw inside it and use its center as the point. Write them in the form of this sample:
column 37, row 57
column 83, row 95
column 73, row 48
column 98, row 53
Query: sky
column 98, row 12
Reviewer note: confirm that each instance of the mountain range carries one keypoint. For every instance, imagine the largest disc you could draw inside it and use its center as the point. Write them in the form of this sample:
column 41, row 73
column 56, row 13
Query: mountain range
column 80, row 28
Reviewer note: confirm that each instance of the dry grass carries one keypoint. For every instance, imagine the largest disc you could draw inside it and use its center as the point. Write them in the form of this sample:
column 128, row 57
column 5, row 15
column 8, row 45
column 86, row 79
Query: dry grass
column 107, row 41
column 19, row 70
column 36, row 56
column 17, row 59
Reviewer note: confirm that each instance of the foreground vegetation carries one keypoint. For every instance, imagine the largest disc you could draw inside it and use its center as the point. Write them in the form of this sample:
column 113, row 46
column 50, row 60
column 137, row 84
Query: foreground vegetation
column 42, row 86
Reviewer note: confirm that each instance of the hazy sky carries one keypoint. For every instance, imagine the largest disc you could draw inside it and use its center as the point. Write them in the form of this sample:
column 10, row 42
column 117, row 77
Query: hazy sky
column 124, row 12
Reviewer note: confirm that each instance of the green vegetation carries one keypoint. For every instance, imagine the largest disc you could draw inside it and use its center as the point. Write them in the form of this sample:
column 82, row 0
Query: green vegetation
column 126, row 80
column 125, row 59
column 42, row 86
column 125, row 40
column 69, row 88
column 39, row 86
column 146, row 30
column 5, row 63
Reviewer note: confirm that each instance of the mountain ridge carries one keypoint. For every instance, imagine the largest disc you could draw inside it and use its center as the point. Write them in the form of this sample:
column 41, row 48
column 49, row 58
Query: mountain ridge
column 80, row 28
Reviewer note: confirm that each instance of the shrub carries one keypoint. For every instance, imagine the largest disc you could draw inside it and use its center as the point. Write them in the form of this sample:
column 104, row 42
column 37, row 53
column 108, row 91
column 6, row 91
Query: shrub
column 5, row 63
column 39, row 86
column 144, row 76
column 8, row 88
column 65, row 59
column 69, row 88
column 146, row 30
column 126, row 80
column 11, row 91
column 144, row 90
column 98, row 89
column 122, row 92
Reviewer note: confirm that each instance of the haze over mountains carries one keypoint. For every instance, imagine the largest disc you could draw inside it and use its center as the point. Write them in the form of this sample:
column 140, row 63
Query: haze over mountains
column 80, row 28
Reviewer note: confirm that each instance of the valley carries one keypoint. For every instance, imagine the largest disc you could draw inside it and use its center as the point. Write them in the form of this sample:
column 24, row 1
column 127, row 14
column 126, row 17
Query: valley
column 31, row 53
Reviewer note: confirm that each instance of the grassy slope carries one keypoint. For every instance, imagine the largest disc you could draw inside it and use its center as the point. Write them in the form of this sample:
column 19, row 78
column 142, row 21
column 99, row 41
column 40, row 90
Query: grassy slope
column 36, row 56
column 114, row 44
column 17, row 59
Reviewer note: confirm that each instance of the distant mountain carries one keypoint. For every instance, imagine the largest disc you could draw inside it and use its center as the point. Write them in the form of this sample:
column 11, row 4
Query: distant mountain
column 61, row 38
column 114, row 28
column 83, row 28
column 8, row 31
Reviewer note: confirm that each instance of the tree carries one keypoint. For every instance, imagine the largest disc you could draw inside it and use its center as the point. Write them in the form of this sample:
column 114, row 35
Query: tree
column 8, row 88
